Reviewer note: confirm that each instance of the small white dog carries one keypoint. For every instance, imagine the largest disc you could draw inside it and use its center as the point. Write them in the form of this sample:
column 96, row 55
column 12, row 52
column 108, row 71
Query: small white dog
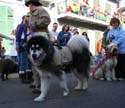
column 106, row 67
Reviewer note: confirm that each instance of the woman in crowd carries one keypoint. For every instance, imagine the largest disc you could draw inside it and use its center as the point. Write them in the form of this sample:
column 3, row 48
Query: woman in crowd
column 64, row 35
column 117, row 35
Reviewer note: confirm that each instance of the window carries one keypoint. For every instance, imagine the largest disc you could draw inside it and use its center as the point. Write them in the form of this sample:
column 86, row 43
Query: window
column 108, row 8
column 96, row 2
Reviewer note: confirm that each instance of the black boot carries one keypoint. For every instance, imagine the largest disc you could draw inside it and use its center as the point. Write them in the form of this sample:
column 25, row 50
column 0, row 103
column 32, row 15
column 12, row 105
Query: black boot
column 29, row 76
column 23, row 79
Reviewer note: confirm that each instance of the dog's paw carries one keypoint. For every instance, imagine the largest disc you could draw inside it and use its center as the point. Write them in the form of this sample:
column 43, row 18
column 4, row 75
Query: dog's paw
column 66, row 93
column 101, row 79
column 39, row 99
column 108, row 79
column 78, row 88
column 114, row 79
column 120, row 79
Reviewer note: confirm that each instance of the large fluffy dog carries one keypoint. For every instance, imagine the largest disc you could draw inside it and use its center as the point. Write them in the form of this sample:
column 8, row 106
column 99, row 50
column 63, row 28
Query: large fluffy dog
column 106, row 68
column 51, row 60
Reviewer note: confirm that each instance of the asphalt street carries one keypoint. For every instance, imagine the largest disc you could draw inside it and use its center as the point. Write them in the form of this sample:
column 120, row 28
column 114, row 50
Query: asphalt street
column 100, row 94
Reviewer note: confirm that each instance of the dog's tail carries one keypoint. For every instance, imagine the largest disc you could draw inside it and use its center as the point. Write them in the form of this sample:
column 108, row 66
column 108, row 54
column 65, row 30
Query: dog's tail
column 79, row 47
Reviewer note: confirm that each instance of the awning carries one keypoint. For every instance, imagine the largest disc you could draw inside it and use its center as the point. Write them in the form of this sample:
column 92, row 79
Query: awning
column 82, row 21
column 5, row 36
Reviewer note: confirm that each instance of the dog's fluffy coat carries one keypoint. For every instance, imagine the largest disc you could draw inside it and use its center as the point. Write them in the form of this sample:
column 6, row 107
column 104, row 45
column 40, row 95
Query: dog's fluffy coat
column 7, row 66
column 107, row 69
column 49, row 60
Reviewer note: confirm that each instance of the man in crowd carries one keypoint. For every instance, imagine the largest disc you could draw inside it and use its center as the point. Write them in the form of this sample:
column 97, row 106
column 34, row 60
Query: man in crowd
column 54, row 32
column 21, row 38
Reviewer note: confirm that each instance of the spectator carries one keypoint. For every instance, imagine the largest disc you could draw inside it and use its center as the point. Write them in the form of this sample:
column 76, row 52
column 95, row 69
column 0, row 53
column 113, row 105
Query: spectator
column 75, row 8
column 91, row 12
column 21, row 38
column 54, row 32
column 115, row 14
column 84, row 7
column 64, row 35
column 13, row 52
column 75, row 32
column 99, row 50
column 68, row 8
column 3, row 51
column 86, row 35
column 117, row 35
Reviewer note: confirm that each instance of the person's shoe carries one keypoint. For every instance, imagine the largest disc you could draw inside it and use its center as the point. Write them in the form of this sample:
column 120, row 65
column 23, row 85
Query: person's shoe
column 23, row 79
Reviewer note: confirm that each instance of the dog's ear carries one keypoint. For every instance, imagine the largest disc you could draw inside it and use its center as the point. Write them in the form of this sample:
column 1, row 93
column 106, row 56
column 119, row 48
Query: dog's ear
column 29, row 43
column 49, row 52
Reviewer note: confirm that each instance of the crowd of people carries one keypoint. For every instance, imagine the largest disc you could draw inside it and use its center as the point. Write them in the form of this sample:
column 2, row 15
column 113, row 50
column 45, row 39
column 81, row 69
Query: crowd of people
column 83, row 8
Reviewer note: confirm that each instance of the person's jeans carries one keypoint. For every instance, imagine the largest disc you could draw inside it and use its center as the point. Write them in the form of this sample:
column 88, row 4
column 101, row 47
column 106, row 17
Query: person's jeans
column 23, row 60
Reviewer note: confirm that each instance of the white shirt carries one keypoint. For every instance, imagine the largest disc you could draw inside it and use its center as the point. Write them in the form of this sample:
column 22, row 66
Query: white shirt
column 54, row 35
column 13, row 51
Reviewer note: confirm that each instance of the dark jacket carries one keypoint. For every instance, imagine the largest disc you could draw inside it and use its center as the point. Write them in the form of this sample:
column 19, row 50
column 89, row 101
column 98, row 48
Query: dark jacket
column 63, row 38
column 104, row 39
column 21, row 28
column 21, row 42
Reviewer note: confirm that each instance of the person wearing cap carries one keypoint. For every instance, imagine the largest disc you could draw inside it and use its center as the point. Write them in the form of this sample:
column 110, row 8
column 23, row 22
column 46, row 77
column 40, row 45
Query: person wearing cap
column 40, row 19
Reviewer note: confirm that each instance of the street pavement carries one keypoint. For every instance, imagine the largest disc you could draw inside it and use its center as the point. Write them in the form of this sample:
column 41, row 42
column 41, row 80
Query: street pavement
column 100, row 94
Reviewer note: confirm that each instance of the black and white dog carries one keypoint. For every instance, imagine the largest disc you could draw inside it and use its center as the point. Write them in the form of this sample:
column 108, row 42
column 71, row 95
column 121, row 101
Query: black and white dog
column 49, row 60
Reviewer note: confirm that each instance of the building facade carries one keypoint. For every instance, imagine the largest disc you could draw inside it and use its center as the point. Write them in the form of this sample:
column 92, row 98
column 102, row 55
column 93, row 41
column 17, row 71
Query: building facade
column 11, row 12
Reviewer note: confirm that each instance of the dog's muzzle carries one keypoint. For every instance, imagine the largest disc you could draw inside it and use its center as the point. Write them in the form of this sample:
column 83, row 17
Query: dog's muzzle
column 34, row 56
column 38, row 57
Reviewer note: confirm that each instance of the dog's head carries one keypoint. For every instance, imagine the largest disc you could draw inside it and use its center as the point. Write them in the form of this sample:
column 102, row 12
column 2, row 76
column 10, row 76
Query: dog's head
column 113, row 49
column 39, row 50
